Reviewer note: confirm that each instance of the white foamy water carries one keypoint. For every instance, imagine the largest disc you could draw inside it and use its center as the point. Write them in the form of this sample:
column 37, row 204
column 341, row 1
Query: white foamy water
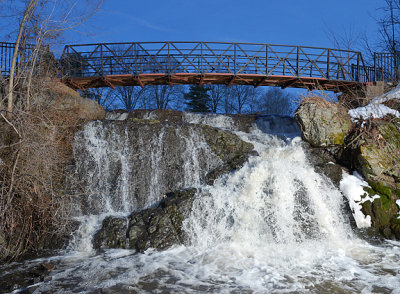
column 212, row 119
column 273, row 226
column 120, row 170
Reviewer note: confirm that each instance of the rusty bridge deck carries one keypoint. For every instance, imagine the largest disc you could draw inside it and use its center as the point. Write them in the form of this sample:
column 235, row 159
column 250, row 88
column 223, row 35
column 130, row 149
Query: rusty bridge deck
column 175, row 63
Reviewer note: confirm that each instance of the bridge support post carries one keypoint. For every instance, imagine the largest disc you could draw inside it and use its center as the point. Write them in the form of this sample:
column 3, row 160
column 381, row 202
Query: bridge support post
column 375, row 68
column 327, row 65
column 297, row 61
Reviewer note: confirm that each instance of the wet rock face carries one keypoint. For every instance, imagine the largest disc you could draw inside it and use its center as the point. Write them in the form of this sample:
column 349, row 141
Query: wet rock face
column 161, row 227
column 323, row 124
column 141, row 163
column 232, row 152
column 22, row 281
column 158, row 227
column 113, row 233
column 128, row 165
column 324, row 162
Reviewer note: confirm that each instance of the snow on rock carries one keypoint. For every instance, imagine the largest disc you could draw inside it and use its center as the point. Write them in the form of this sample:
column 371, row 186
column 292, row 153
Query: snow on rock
column 393, row 94
column 372, row 110
column 398, row 204
column 376, row 109
column 352, row 187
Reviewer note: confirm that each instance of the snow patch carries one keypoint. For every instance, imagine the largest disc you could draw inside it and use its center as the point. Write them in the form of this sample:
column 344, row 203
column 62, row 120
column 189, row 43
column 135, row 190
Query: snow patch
column 398, row 204
column 372, row 110
column 376, row 109
column 393, row 94
column 352, row 186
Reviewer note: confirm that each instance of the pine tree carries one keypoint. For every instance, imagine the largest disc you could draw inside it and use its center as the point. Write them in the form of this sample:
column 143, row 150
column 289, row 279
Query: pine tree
column 197, row 99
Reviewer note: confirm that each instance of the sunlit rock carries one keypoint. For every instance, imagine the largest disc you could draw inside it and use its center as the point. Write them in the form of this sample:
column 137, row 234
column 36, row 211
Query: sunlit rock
column 323, row 124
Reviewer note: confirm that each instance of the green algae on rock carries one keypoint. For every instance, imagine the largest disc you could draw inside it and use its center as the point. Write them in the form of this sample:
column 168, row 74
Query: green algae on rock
column 384, row 211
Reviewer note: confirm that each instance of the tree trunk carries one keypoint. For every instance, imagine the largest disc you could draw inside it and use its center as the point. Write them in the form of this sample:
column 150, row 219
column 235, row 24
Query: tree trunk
column 27, row 13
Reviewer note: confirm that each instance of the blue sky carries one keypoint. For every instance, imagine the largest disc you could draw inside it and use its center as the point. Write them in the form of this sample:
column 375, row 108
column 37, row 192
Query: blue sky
column 292, row 22
column 300, row 22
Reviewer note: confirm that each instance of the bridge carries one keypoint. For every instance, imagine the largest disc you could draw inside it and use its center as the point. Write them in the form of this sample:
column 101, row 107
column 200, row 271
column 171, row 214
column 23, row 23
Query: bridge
column 176, row 63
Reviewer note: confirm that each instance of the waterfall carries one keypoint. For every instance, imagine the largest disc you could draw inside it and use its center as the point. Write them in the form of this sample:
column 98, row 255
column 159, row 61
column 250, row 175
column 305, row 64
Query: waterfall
column 275, row 199
column 123, row 167
column 272, row 226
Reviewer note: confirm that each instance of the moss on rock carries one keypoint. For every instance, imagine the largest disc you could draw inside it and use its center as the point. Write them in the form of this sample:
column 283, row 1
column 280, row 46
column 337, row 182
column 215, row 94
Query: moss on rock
column 383, row 210
column 144, row 121
column 112, row 234
column 372, row 148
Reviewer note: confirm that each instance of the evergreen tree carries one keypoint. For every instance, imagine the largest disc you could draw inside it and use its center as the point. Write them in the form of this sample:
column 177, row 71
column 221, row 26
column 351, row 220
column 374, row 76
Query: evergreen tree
column 197, row 99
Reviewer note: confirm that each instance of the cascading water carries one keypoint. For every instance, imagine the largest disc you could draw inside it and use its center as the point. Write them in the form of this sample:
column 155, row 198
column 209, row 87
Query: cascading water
column 273, row 226
column 276, row 198
column 122, row 171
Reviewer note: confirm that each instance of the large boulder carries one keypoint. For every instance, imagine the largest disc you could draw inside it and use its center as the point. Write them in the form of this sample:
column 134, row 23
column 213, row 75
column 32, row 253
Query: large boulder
column 157, row 227
column 371, row 146
column 233, row 152
column 322, row 123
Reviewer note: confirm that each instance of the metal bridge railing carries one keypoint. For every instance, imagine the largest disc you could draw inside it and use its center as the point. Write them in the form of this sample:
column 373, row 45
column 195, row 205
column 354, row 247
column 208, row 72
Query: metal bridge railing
column 91, row 60
column 6, row 55
column 98, row 60
column 387, row 67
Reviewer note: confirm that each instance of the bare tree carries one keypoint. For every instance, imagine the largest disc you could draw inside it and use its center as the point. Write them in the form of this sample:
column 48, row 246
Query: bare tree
column 35, row 143
column 348, row 39
column 42, row 22
column 389, row 29
column 228, row 103
column 276, row 102
column 130, row 96
column 106, row 97
column 28, row 11
column 241, row 95
column 161, row 96
column 216, row 93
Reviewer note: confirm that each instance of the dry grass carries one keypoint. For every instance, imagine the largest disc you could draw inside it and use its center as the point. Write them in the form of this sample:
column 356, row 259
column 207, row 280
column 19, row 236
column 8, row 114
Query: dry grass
column 35, row 150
